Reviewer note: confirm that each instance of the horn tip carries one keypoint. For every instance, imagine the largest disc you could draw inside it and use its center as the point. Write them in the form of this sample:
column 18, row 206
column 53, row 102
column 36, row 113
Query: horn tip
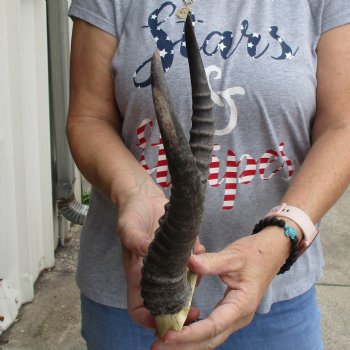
column 188, row 23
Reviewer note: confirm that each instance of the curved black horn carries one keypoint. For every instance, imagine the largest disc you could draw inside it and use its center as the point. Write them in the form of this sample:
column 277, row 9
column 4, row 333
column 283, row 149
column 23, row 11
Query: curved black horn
column 165, row 287
column 202, row 131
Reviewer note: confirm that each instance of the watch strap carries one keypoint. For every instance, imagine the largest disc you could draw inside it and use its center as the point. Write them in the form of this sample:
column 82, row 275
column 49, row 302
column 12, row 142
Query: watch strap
column 297, row 215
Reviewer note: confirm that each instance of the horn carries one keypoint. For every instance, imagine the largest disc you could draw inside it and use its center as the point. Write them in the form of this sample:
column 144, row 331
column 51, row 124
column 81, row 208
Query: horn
column 167, row 285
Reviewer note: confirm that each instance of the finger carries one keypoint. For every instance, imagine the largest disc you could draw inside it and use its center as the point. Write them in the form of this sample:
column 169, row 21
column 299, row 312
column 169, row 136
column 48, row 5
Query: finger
column 193, row 315
column 211, row 332
column 226, row 261
column 231, row 315
column 160, row 345
column 132, row 266
column 143, row 317
column 204, row 345
column 198, row 249
column 198, row 280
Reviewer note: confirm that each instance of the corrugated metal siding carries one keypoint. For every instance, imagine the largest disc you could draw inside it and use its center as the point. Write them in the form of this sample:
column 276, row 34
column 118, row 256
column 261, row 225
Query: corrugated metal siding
column 26, row 206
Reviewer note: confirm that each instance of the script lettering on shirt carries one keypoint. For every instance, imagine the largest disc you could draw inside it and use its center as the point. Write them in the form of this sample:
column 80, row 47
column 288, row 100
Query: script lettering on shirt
column 215, row 42
column 238, row 171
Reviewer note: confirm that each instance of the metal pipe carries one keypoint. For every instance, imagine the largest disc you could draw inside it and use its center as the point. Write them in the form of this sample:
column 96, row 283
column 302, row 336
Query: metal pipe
column 63, row 164
column 73, row 210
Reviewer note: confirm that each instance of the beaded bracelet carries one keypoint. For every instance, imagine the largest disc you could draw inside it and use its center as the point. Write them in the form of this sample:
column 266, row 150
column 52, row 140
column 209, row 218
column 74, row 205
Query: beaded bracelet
column 289, row 232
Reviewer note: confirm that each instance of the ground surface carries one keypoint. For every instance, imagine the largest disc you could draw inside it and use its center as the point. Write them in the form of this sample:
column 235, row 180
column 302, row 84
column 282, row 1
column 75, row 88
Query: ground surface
column 52, row 321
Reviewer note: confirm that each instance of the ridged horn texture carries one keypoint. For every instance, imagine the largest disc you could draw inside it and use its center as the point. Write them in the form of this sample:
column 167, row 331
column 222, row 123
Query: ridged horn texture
column 164, row 286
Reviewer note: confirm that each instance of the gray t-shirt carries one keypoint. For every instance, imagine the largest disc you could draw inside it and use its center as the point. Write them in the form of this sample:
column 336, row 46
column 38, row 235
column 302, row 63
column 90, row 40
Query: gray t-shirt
column 260, row 59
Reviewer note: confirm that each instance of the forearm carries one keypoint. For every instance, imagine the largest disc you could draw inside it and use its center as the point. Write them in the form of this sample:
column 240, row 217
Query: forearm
column 322, row 178
column 325, row 172
column 104, row 160
column 94, row 123
column 324, row 175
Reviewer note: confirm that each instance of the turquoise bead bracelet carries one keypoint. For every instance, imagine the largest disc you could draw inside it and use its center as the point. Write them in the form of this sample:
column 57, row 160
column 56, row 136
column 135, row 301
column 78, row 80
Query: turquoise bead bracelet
column 289, row 232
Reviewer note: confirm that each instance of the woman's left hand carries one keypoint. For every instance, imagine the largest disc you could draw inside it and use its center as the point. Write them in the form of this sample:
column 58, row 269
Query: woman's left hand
column 247, row 267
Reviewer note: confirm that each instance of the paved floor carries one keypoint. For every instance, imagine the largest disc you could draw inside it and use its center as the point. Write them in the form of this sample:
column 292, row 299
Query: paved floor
column 334, row 288
column 51, row 322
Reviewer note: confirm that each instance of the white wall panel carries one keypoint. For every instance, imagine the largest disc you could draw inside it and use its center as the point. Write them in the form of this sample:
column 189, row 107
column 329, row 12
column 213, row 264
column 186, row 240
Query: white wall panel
column 26, row 206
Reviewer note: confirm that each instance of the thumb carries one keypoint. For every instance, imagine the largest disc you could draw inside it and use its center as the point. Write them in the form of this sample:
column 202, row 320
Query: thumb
column 134, row 238
column 225, row 261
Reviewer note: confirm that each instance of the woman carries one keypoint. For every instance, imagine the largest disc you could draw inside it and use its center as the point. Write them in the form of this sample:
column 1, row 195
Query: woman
column 279, row 78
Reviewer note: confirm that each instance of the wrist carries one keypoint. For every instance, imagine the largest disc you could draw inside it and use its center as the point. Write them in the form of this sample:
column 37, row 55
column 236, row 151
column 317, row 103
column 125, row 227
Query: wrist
column 134, row 185
column 289, row 232
column 276, row 244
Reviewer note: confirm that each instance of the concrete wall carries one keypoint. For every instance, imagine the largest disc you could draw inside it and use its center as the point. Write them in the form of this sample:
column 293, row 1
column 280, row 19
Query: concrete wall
column 27, row 220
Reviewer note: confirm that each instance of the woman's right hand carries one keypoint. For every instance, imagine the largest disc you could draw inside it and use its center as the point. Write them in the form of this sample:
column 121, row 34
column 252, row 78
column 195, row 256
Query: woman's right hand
column 138, row 219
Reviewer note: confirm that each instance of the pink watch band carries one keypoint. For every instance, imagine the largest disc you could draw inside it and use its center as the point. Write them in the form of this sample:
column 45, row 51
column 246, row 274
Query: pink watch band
column 301, row 219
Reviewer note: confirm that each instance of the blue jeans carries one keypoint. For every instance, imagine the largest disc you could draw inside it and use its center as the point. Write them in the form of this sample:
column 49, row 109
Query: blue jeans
column 290, row 325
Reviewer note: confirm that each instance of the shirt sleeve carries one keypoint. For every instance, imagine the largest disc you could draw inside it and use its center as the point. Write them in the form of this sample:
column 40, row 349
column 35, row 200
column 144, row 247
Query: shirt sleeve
column 335, row 14
column 103, row 14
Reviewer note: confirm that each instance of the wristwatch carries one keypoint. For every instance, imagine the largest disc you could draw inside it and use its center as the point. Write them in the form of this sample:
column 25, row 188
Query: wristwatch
column 307, row 227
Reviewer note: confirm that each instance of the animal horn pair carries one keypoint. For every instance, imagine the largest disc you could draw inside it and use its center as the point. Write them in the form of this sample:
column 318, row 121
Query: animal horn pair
column 167, row 285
